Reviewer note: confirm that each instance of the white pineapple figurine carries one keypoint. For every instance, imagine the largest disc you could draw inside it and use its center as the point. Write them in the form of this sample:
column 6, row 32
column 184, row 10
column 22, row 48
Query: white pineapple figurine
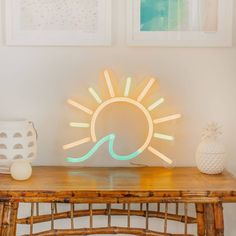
column 211, row 154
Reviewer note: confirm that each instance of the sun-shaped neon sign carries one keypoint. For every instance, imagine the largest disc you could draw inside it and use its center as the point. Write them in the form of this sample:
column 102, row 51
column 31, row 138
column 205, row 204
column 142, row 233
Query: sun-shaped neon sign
column 111, row 137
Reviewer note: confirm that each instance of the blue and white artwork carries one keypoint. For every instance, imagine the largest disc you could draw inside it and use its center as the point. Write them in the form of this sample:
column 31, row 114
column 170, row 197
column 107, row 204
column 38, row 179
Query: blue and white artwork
column 178, row 15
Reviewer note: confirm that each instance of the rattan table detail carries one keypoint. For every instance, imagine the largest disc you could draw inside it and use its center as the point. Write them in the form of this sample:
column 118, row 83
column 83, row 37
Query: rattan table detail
column 123, row 186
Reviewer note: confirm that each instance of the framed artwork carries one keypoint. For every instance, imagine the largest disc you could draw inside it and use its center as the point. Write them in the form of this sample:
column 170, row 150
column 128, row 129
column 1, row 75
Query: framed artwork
column 180, row 23
column 58, row 22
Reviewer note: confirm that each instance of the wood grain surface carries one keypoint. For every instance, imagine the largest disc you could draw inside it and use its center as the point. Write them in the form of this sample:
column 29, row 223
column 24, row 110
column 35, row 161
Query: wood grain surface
column 122, row 183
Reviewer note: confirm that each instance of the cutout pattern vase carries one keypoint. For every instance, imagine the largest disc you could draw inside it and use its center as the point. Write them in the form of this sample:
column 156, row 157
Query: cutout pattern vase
column 17, row 142
column 211, row 154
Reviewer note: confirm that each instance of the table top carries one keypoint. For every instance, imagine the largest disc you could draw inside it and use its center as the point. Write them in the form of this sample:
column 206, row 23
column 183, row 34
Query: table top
column 119, row 182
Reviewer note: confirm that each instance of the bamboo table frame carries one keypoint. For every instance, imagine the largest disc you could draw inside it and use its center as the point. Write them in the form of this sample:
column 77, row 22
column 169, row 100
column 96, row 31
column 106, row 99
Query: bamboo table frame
column 123, row 186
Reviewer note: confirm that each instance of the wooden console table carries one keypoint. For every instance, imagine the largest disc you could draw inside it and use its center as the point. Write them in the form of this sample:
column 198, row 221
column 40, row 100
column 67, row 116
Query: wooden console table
column 145, row 187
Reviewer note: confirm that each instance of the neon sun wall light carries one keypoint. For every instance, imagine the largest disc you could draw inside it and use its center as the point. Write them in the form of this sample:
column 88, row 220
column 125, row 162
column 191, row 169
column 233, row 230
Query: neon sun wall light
column 111, row 137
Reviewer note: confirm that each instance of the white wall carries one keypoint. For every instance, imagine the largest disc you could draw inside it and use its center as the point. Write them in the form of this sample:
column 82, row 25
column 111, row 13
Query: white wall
column 198, row 82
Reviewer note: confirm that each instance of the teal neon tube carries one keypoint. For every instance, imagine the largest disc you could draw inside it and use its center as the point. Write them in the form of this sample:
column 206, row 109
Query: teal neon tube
column 110, row 139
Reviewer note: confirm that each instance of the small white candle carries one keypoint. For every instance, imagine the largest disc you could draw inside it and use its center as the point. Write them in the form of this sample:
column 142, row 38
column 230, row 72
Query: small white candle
column 21, row 170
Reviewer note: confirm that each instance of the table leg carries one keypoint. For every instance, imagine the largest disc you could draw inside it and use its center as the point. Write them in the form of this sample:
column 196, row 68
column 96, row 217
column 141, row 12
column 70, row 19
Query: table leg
column 209, row 219
column 214, row 219
column 8, row 220
column 200, row 219
column 1, row 216
column 219, row 219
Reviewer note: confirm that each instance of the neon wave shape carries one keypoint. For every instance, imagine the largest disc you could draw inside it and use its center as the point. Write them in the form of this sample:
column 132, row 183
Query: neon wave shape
column 110, row 139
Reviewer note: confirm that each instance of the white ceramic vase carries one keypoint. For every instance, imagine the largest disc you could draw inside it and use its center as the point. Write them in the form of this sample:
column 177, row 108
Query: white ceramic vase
column 211, row 153
column 17, row 142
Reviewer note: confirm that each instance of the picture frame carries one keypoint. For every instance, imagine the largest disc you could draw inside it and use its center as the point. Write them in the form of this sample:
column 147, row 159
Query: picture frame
column 58, row 23
column 139, row 34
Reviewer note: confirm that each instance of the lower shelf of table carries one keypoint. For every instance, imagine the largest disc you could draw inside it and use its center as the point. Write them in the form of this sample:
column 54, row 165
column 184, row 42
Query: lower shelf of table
column 153, row 219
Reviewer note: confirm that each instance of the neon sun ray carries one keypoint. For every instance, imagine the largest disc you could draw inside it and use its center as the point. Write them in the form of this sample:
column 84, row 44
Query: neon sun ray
column 77, row 143
column 80, row 107
column 95, row 95
column 127, row 86
column 110, row 139
column 166, row 118
column 79, row 125
column 146, row 89
column 163, row 136
column 109, row 84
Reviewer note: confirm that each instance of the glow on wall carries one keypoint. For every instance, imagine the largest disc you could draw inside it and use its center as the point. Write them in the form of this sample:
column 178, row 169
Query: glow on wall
column 113, row 99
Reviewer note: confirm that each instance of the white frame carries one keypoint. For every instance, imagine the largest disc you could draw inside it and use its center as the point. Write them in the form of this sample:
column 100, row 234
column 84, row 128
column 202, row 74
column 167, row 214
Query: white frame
column 223, row 38
column 17, row 37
